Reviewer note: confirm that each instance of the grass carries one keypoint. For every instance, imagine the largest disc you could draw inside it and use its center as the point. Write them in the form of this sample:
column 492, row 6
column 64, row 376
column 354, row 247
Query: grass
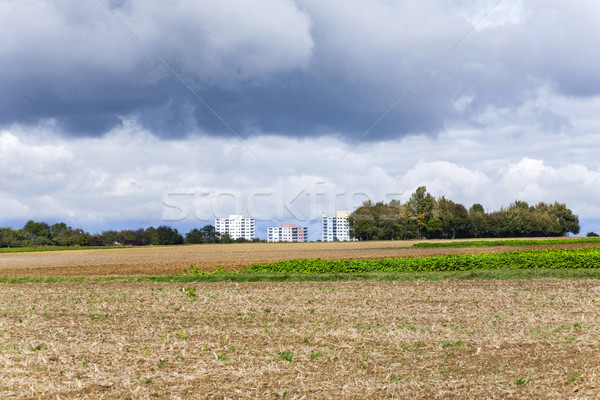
column 477, row 274
column 54, row 248
column 523, row 242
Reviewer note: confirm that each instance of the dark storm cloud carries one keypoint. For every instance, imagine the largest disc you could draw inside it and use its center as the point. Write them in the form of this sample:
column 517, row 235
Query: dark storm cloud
column 290, row 68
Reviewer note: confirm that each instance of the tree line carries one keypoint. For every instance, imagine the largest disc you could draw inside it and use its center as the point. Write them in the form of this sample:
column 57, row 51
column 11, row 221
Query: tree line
column 39, row 234
column 424, row 216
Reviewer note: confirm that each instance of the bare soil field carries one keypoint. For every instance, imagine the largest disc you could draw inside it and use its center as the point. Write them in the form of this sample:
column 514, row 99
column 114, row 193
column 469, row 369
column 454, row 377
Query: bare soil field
column 351, row 340
column 173, row 259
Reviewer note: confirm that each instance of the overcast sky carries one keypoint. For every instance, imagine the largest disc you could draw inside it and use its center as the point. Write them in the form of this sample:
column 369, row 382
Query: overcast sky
column 130, row 113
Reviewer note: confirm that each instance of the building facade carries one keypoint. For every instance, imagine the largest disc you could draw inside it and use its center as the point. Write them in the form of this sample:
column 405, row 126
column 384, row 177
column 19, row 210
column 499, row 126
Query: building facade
column 287, row 233
column 236, row 226
column 335, row 227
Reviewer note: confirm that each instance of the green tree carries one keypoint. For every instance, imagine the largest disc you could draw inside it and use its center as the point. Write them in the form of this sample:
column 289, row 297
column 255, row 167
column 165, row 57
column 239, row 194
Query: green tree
column 478, row 225
column 567, row 221
column 195, row 236
column 11, row 238
column 421, row 205
column 210, row 233
column 38, row 233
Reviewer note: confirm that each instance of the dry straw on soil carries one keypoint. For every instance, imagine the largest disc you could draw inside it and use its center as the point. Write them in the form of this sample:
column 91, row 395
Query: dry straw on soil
column 475, row 339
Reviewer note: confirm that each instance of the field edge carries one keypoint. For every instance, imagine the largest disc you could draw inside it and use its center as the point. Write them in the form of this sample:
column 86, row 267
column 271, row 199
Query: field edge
column 476, row 274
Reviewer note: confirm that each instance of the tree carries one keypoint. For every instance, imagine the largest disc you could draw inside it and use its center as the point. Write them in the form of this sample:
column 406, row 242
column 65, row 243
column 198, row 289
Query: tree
column 363, row 222
column 11, row 238
column 477, row 222
column 57, row 228
column 567, row 221
column 454, row 219
column 421, row 205
column 225, row 238
column 210, row 233
column 195, row 236
column 38, row 233
column 165, row 235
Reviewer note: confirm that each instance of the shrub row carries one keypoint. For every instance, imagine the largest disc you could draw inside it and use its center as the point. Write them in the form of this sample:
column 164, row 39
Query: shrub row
column 524, row 259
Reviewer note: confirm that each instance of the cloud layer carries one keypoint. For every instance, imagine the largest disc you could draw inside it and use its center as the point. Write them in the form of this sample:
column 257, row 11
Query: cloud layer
column 300, row 68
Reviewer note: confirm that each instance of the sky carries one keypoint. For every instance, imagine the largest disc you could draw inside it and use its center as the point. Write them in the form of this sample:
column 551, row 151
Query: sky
column 120, row 114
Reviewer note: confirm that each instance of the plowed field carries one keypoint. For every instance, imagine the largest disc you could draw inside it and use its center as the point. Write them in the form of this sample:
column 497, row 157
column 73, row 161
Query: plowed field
column 173, row 259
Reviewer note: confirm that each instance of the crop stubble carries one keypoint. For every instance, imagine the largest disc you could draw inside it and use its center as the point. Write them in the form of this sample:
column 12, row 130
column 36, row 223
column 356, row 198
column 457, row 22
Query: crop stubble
column 472, row 339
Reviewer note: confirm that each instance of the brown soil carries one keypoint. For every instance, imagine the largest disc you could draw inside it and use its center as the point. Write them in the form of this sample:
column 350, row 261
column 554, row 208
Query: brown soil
column 327, row 340
column 173, row 259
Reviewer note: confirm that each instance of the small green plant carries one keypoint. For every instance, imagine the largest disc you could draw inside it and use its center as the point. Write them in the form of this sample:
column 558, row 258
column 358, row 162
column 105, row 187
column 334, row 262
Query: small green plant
column 574, row 377
column 149, row 380
column 521, row 381
column 161, row 363
column 182, row 334
column 38, row 347
column 314, row 355
column 223, row 357
column 191, row 293
column 286, row 356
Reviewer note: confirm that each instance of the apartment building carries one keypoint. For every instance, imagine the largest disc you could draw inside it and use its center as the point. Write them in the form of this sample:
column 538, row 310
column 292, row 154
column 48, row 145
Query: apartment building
column 236, row 226
column 287, row 233
column 335, row 227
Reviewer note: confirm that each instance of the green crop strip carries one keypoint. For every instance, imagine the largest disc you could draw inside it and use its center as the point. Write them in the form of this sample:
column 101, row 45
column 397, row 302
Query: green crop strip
column 524, row 259
column 493, row 243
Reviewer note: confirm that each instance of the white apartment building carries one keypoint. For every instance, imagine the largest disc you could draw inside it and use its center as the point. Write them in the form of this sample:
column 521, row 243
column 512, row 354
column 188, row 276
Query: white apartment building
column 287, row 233
column 335, row 227
column 236, row 226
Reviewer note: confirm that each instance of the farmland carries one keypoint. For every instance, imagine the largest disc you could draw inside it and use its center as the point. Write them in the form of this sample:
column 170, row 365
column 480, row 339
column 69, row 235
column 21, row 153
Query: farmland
column 173, row 259
column 139, row 337
column 471, row 339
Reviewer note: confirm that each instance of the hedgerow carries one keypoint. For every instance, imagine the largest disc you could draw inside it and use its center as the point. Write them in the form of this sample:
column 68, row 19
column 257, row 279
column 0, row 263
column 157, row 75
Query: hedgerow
column 524, row 259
